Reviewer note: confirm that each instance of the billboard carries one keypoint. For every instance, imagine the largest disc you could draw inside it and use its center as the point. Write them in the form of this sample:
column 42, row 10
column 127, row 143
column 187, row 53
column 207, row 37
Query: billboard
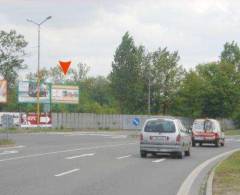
column 30, row 120
column 66, row 94
column 27, row 92
column 3, row 91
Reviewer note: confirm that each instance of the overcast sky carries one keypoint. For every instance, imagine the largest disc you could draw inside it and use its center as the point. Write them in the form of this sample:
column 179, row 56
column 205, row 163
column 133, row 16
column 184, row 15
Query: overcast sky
column 90, row 31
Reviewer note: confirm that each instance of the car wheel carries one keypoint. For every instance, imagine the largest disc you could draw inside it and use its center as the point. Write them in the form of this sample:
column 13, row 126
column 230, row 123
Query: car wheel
column 193, row 143
column 187, row 153
column 143, row 154
column 180, row 155
column 217, row 143
column 222, row 143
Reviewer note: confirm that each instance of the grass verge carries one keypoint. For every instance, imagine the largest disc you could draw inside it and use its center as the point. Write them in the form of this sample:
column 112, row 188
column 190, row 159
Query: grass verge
column 6, row 142
column 232, row 132
column 226, row 180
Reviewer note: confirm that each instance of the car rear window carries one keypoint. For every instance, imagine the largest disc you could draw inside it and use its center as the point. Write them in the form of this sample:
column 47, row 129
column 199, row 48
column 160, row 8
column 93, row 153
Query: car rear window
column 160, row 126
column 203, row 125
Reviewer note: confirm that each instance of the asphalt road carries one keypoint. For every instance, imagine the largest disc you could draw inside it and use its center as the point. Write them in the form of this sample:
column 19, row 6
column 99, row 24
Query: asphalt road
column 96, row 164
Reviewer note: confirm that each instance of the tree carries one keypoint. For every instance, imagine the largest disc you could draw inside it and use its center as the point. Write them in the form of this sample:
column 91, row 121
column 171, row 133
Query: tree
column 56, row 75
column 43, row 75
column 167, row 75
column 11, row 55
column 80, row 72
column 231, row 54
column 126, row 80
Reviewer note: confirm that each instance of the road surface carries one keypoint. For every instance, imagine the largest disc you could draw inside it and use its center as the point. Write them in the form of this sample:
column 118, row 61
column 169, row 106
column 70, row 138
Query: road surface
column 96, row 164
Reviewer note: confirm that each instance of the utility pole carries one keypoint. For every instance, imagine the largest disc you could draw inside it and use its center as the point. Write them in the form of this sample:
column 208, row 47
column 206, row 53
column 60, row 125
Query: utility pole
column 38, row 65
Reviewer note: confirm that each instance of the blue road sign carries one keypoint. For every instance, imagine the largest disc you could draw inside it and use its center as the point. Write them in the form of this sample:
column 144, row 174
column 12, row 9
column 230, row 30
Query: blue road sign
column 136, row 121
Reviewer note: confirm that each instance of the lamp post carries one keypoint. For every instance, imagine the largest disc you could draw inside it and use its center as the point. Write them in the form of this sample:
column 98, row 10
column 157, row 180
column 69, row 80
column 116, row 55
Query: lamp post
column 38, row 64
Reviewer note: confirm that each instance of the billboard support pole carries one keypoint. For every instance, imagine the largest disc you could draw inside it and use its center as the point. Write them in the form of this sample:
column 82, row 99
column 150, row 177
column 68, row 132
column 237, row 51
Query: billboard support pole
column 38, row 77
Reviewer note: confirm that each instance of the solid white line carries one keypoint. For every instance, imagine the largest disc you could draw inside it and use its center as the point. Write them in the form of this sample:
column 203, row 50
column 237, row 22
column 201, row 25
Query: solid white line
column 65, row 151
column 67, row 172
column 13, row 147
column 80, row 156
column 159, row 160
column 188, row 182
column 121, row 157
column 9, row 152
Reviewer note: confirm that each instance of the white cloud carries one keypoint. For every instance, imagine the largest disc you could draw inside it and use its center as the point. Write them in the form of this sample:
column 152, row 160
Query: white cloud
column 90, row 31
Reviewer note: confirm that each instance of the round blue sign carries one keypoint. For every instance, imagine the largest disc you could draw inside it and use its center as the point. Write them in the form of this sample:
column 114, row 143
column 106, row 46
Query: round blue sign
column 136, row 121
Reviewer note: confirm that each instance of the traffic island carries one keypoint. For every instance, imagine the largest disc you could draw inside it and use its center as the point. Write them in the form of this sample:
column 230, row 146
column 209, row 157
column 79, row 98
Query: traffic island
column 226, row 180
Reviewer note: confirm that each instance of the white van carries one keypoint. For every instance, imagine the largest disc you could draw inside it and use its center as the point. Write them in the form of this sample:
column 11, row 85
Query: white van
column 207, row 131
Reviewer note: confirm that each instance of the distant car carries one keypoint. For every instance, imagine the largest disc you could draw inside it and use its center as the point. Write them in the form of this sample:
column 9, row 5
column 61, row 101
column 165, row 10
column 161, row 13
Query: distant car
column 165, row 135
column 207, row 131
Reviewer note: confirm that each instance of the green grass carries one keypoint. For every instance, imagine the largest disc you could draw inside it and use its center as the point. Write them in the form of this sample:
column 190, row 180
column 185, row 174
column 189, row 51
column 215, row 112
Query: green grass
column 232, row 132
column 227, row 176
column 6, row 142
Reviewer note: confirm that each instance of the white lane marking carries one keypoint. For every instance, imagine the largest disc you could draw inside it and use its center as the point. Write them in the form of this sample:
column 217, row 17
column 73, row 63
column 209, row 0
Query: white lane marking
column 13, row 147
column 121, row 157
column 66, row 172
column 80, row 156
column 159, row 160
column 188, row 182
column 119, row 136
column 65, row 151
column 9, row 152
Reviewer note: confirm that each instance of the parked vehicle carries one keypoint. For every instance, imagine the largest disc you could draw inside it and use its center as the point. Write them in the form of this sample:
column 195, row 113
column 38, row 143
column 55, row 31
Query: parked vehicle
column 165, row 135
column 207, row 131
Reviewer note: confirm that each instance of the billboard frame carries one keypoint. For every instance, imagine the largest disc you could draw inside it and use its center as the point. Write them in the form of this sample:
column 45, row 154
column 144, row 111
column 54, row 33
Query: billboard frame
column 61, row 87
column 6, row 99
column 35, row 102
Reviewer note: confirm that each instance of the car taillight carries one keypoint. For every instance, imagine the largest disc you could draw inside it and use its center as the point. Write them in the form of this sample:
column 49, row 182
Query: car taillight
column 141, row 137
column 216, row 135
column 178, row 139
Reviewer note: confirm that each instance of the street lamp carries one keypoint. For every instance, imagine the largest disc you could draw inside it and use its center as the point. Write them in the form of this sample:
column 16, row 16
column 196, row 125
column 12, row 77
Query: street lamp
column 38, row 66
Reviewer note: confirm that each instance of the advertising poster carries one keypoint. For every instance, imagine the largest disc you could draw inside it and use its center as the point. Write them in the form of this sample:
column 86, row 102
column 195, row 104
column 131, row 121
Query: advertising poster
column 30, row 120
column 65, row 94
column 27, row 92
column 3, row 91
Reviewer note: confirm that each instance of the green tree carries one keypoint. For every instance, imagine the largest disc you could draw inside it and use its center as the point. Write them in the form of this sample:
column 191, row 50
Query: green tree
column 231, row 54
column 11, row 55
column 167, row 75
column 126, row 80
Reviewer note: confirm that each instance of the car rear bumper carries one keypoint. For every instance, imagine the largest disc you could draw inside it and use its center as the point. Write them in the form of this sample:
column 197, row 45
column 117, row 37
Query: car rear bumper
column 160, row 148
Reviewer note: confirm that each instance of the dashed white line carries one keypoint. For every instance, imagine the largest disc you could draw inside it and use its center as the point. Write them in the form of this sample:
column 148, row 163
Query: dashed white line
column 12, row 147
column 121, row 157
column 80, row 156
column 9, row 152
column 65, row 151
column 159, row 160
column 66, row 172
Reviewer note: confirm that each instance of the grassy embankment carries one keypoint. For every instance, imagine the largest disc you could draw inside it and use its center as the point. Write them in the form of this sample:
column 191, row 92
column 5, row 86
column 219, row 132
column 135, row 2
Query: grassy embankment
column 232, row 132
column 227, row 176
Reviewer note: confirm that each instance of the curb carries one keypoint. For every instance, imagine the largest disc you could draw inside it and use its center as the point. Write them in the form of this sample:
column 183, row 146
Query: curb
column 209, row 185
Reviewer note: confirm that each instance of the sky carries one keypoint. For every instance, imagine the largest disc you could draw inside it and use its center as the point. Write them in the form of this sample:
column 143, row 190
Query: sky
column 89, row 31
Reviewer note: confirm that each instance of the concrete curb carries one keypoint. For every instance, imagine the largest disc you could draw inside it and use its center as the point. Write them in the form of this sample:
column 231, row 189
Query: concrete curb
column 209, row 186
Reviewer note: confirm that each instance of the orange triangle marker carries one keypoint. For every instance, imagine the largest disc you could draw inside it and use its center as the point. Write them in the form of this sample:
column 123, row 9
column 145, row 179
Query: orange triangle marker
column 64, row 66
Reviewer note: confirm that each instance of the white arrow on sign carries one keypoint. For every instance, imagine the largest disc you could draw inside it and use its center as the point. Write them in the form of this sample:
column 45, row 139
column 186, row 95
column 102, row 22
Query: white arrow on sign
column 9, row 152
column 44, row 119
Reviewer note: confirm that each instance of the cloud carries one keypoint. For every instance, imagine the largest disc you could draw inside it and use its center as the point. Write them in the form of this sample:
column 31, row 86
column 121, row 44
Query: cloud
column 90, row 31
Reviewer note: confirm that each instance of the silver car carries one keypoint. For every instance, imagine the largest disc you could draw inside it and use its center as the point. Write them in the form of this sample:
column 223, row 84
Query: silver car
column 165, row 135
